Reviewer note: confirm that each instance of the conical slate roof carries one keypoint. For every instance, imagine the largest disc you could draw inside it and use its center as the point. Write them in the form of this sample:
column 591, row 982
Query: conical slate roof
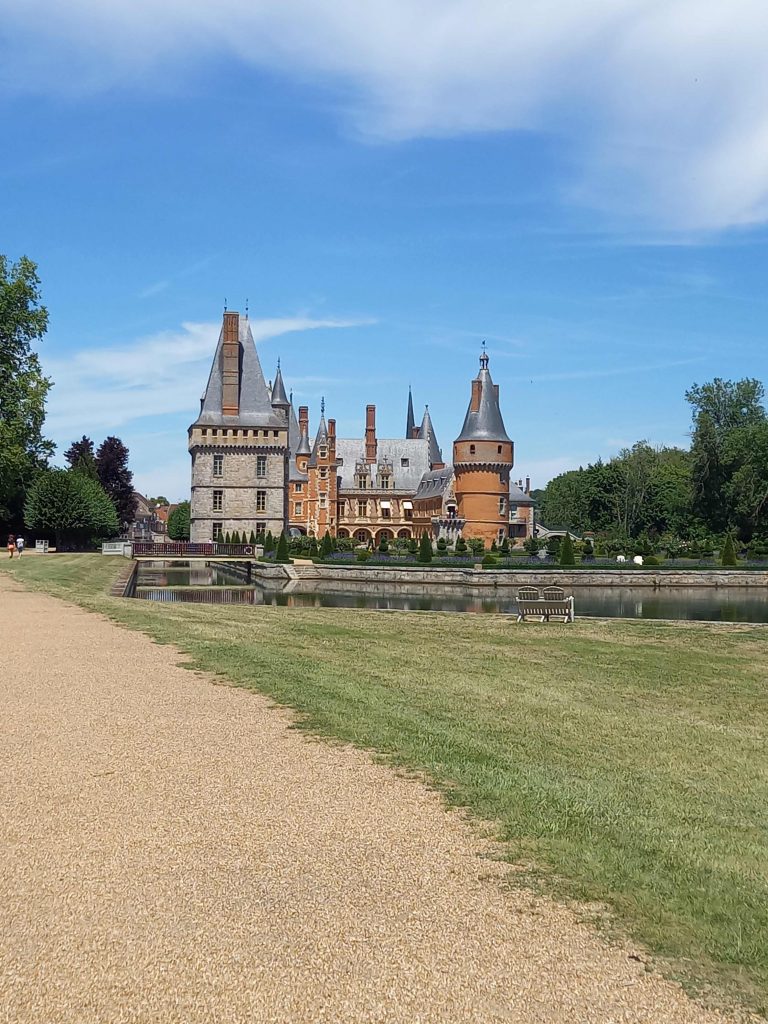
column 294, row 434
column 255, row 407
column 486, row 424
column 410, row 422
column 320, row 438
column 279, row 397
column 427, row 432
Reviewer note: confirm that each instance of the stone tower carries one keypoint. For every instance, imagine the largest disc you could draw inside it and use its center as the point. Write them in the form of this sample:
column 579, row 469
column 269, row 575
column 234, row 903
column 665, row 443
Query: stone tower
column 239, row 443
column 483, row 456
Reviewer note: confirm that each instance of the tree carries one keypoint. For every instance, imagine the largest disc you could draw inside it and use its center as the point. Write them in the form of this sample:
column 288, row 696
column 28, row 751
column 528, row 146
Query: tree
column 23, row 388
column 722, row 410
column 425, row 548
column 461, row 545
column 728, row 554
column 117, row 479
column 505, row 546
column 413, row 546
column 313, row 548
column 326, row 545
column 281, row 555
column 158, row 502
column 178, row 522
column 567, row 556
column 70, row 506
column 252, row 538
column 81, row 458
column 269, row 542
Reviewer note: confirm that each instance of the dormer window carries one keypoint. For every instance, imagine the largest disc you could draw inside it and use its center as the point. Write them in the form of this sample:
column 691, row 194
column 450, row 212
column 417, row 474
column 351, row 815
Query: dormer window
column 322, row 451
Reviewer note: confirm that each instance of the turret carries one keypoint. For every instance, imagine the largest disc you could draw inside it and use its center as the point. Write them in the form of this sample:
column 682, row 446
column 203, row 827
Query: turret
column 483, row 456
column 280, row 400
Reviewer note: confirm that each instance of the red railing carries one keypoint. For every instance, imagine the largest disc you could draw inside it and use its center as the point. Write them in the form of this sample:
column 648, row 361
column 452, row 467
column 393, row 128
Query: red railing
column 184, row 549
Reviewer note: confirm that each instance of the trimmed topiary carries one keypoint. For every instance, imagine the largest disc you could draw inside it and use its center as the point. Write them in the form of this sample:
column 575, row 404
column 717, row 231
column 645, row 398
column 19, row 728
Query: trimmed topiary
column 728, row 554
column 425, row 548
column 281, row 555
column 567, row 556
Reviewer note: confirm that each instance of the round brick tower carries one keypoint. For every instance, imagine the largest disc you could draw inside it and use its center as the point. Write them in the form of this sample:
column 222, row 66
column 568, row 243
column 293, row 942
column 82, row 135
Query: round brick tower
column 483, row 456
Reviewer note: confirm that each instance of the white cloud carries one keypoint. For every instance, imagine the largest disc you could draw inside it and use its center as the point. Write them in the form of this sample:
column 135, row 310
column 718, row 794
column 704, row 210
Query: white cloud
column 101, row 389
column 663, row 105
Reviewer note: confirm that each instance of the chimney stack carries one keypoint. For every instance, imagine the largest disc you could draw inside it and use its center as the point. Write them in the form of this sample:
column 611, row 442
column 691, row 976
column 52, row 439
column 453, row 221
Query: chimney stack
column 527, row 485
column 304, row 419
column 331, row 429
column 474, row 404
column 370, row 434
column 230, row 365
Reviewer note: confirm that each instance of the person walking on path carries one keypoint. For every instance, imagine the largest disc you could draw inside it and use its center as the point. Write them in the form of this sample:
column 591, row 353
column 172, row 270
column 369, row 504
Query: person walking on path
column 11, row 545
column 20, row 546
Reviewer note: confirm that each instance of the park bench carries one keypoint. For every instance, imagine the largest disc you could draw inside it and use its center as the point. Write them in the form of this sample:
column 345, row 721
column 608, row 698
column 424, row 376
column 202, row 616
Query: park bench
column 552, row 604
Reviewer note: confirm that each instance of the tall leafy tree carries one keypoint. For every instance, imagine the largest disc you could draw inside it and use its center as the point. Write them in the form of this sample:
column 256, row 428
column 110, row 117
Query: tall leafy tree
column 23, row 388
column 117, row 479
column 81, row 457
column 720, row 408
column 70, row 506
column 178, row 522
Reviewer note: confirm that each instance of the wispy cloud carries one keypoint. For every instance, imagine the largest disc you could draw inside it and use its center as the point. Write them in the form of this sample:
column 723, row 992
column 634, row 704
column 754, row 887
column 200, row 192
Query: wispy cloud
column 101, row 389
column 663, row 106
column 166, row 282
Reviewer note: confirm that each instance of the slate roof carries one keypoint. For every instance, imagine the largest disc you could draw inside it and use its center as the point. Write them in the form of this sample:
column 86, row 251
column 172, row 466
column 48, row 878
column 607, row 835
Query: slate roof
column 295, row 440
column 320, row 437
column 279, row 396
column 406, row 478
column 427, row 432
column 517, row 495
column 255, row 401
column 486, row 424
column 410, row 421
column 435, row 482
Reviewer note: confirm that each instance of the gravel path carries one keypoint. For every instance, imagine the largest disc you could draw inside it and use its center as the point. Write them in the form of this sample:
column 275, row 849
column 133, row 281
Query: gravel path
column 171, row 851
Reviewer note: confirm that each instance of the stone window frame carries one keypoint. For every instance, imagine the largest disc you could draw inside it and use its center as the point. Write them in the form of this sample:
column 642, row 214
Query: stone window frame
column 261, row 501
column 217, row 501
column 261, row 466
column 322, row 451
column 218, row 531
column 362, row 506
column 502, row 505
column 218, row 465
column 298, row 487
column 323, row 501
column 298, row 508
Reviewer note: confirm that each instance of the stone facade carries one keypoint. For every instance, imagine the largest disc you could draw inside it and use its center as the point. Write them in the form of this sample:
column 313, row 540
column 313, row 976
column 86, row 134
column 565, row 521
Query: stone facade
column 239, row 444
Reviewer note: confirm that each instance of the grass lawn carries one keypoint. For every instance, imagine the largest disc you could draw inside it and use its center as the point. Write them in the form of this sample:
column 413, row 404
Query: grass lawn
column 626, row 761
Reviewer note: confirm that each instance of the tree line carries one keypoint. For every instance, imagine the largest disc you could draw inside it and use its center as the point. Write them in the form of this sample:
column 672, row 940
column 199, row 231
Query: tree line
column 94, row 496
column 676, row 496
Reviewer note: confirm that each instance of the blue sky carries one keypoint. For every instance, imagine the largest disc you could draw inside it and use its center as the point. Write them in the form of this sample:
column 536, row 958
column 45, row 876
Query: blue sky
column 389, row 184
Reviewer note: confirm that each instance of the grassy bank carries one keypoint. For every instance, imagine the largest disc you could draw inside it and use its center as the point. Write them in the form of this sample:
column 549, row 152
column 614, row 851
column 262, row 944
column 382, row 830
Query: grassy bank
column 627, row 760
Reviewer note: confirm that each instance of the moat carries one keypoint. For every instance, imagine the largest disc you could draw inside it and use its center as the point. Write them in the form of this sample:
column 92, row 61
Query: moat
column 158, row 581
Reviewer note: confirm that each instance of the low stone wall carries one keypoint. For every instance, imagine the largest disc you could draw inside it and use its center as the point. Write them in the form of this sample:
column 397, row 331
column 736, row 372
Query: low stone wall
column 125, row 584
column 350, row 575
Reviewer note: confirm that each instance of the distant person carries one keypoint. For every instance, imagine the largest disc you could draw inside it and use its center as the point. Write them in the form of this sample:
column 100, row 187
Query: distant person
column 11, row 545
column 20, row 546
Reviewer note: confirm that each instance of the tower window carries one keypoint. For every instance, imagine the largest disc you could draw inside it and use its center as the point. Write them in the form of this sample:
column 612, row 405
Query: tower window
column 218, row 465
column 499, row 449
column 502, row 506
column 218, row 501
column 405, row 463
column 322, row 451
column 261, row 501
column 298, row 488
column 217, row 530
column 471, row 449
column 261, row 465
column 297, row 507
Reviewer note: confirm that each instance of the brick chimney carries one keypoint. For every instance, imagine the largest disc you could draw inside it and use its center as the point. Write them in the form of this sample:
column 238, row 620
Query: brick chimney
column 474, row 404
column 370, row 434
column 230, row 365
column 527, row 485
column 332, row 439
column 304, row 419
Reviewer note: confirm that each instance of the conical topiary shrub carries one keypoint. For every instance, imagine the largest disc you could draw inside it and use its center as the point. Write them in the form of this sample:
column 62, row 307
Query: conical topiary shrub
column 728, row 554
column 326, row 545
column 281, row 555
column 425, row 548
column 567, row 556
column 313, row 548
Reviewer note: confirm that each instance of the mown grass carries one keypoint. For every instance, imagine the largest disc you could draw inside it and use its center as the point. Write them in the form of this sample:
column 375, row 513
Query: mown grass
column 626, row 761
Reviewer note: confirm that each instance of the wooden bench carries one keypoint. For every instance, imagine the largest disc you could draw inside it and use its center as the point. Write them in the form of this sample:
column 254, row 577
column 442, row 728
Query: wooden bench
column 552, row 604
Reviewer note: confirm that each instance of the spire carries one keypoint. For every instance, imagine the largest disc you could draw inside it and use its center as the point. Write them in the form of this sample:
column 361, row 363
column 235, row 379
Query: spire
column 427, row 432
column 279, row 397
column 322, row 434
column 483, row 421
column 410, row 422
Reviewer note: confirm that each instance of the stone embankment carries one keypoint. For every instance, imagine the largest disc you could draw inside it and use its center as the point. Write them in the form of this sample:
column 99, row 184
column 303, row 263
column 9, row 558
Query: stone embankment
column 351, row 575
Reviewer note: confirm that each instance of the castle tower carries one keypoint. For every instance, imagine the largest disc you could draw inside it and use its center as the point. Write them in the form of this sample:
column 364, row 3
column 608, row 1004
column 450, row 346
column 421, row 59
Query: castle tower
column 238, row 444
column 483, row 456
column 323, row 481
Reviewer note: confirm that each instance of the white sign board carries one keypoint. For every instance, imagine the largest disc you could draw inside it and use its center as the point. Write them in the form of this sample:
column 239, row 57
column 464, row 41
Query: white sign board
column 41, row 545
